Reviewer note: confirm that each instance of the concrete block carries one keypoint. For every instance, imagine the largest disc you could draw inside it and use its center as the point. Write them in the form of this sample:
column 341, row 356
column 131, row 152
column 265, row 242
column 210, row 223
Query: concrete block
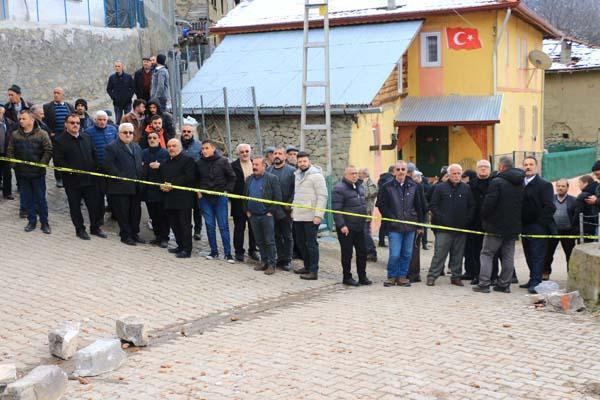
column 133, row 330
column 47, row 382
column 8, row 374
column 584, row 272
column 63, row 339
column 566, row 302
column 104, row 355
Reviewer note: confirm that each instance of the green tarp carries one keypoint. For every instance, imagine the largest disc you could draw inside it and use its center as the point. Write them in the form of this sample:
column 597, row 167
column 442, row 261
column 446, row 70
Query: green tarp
column 568, row 164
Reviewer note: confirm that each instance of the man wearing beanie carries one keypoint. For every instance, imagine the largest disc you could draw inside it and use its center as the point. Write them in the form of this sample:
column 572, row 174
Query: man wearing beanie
column 85, row 121
column 160, row 82
column 15, row 104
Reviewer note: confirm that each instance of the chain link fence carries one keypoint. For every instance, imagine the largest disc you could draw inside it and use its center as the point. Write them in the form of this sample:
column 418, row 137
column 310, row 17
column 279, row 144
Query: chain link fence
column 227, row 116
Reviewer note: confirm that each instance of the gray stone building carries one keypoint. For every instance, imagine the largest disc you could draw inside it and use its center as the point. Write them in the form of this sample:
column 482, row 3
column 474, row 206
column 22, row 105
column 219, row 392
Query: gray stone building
column 74, row 44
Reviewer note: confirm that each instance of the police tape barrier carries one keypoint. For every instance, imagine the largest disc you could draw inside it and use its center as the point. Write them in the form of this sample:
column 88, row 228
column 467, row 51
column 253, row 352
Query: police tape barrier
column 281, row 203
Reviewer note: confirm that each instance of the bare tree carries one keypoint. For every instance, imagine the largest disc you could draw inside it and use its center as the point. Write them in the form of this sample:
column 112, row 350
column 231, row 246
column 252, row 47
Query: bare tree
column 578, row 18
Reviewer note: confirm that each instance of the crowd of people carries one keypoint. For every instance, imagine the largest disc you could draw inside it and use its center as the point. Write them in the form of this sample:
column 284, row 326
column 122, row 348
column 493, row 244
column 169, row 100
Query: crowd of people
column 141, row 145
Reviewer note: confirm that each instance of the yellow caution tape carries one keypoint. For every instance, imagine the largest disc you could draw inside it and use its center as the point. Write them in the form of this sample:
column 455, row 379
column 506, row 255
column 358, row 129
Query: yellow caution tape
column 281, row 203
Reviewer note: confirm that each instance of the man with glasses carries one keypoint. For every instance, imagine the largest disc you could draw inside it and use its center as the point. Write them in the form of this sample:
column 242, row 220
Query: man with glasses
column 243, row 169
column 401, row 199
column 76, row 150
column 124, row 158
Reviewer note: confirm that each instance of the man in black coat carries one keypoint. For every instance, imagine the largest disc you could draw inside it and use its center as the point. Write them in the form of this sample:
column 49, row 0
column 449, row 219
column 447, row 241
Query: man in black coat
column 143, row 80
column 262, row 216
column 120, row 88
column 243, row 169
column 567, row 223
column 123, row 158
column 75, row 149
column 179, row 170
column 501, row 217
column 15, row 104
column 538, row 219
column 349, row 195
column 284, row 238
column 6, row 127
column 451, row 205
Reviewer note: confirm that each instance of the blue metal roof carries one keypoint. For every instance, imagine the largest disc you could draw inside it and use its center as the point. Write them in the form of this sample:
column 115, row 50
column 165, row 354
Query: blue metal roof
column 361, row 59
column 447, row 109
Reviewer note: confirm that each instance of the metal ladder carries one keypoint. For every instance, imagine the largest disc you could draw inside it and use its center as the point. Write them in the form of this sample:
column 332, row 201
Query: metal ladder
column 323, row 6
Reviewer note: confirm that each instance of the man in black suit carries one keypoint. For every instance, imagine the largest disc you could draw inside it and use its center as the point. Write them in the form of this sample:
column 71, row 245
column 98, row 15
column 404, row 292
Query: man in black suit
column 243, row 169
column 179, row 170
column 538, row 219
column 75, row 150
column 123, row 158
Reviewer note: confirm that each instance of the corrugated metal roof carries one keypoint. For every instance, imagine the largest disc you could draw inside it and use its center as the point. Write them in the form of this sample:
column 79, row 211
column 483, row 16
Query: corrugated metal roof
column 431, row 110
column 361, row 59
column 583, row 56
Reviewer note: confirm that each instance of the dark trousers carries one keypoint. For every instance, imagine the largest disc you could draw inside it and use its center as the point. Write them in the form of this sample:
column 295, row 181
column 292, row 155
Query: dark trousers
column 197, row 218
column 127, row 209
column 535, row 252
column 355, row 240
column 306, row 235
column 414, row 268
column 284, row 241
column 472, row 255
column 567, row 244
column 91, row 196
column 296, row 250
column 383, row 231
column 369, row 243
column 181, row 224
column 6, row 177
column 263, row 227
column 33, row 193
column 119, row 111
column 57, row 173
column 239, row 229
column 160, row 220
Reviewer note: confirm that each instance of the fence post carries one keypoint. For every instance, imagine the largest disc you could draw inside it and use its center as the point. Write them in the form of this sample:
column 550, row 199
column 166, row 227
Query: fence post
column 256, row 121
column 202, row 115
column 581, row 228
column 227, row 124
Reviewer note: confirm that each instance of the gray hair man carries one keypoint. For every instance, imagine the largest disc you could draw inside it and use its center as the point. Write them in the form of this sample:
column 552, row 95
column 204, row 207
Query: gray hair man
column 451, row 206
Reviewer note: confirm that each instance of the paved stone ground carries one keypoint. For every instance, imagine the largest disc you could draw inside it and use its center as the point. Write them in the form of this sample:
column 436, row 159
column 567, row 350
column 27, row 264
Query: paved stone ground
column 223, row 331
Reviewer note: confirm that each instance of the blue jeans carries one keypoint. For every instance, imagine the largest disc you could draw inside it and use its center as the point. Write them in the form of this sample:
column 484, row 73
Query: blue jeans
column 535, row 252
column 401, row 248
column 215, row 208
column 33, row 195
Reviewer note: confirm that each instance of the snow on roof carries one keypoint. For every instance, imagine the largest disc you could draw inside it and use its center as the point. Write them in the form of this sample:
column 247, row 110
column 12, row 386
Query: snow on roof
column 583, row 56
column 260, row 12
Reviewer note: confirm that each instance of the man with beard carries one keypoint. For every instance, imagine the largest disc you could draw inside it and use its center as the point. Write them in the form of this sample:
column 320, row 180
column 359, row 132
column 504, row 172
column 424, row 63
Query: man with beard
column 191, row 148
column 136, row 117
column 292, row 155
column 179, row 170
column 283, row 227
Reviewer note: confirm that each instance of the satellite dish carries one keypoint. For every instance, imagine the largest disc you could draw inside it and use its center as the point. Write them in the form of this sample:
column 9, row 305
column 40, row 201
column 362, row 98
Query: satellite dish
column 540, row 59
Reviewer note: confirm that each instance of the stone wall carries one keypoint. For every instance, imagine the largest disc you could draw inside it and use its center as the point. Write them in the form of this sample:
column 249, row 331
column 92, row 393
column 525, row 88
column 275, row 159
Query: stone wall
column 285, row 130
column 78, row 58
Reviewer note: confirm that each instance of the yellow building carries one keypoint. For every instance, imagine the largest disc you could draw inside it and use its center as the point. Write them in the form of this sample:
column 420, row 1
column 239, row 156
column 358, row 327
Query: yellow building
column 450, row 80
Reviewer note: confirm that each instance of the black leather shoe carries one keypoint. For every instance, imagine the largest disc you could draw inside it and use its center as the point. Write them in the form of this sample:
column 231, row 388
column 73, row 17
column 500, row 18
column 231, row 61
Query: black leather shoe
column 253, row 256
column 154, row 242
column 311, row 276
column 183, row 254
column 502, row 289
column 100, row 233
column 475, row 281
column 350, row 282
column 301, row 271
column 83, row 235
column 364, row 282
column 29, row 227
column 524, row 286
column 175, row 250
column 414, row 279
column 481, row 289
column 239, row 257
column 9, row 197
column 164, row 244
column 46, row 229
column 514, row 280
column 532, row 290
column 128, row 242
column 139, row 240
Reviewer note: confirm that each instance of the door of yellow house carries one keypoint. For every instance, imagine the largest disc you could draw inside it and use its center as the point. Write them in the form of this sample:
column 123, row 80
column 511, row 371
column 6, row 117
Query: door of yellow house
column 432, row 149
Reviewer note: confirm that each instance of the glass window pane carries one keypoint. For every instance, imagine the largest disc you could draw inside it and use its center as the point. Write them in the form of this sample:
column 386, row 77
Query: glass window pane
column 432, row 49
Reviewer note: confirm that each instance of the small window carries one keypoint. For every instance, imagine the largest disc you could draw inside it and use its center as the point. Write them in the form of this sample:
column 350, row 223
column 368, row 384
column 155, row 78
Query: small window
column 534, row 123
column 521, row 121
column 431, row 49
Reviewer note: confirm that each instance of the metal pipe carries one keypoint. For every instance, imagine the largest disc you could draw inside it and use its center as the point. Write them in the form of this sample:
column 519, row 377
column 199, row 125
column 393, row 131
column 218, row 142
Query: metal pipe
column 227, row 122
column 581, row 234
column 495, row 73
column 257, row 121
column 89, row 14
column 66, row 18
column 203, row 119
column 292, row 111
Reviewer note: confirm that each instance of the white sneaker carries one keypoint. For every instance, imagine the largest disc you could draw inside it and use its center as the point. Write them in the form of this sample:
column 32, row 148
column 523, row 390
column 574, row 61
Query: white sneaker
column 230, row 259
column 212, row 256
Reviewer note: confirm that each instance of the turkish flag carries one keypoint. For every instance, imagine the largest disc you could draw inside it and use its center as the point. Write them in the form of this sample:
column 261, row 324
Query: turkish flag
column 463, row 38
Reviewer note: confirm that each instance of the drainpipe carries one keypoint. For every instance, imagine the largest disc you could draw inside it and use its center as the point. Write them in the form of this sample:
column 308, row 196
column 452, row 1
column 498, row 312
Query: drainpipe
column 495, row 67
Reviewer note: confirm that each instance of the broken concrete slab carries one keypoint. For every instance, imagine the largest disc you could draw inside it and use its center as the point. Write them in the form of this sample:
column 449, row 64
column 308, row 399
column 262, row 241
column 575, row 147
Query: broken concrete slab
column 584, row 272
column 566, row 302
column 64, row 339
column 104, row 355
column 47, row 382
column 8, row 374
column 132, row 330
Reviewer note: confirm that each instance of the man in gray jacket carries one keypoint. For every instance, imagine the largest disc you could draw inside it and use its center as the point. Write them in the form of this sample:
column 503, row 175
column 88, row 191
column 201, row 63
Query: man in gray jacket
column 310, row 191
column 160, row 82
column 283, row 227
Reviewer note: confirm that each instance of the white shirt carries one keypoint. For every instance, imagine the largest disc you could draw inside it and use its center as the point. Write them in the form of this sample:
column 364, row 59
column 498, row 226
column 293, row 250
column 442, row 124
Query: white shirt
column 529, row 179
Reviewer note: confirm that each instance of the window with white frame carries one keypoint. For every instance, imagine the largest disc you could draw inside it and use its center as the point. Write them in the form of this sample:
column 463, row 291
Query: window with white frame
column 431, row 49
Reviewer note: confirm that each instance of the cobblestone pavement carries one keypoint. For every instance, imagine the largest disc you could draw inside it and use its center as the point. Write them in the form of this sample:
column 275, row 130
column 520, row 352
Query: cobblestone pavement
column 223, row 331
